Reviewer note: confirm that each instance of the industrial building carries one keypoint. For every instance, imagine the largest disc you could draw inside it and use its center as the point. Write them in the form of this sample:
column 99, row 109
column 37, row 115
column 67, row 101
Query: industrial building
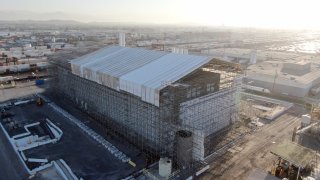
column 291, row 78
column 166, row 104
column 242, row 56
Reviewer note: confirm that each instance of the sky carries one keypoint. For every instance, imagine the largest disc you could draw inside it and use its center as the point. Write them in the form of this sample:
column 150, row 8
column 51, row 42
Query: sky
column 247, row 13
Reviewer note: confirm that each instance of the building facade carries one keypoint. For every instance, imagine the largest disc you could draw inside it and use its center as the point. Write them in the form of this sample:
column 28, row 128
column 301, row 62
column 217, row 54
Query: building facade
column 150, row 97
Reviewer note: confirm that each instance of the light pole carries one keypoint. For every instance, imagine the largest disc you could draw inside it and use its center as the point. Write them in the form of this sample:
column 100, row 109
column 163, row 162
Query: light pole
column 274, row 80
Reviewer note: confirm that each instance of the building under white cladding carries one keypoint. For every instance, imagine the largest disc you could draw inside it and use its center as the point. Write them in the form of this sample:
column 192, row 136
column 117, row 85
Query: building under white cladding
column 164, row 103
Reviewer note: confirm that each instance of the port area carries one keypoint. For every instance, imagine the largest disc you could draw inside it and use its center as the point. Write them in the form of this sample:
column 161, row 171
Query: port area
column 83, row 155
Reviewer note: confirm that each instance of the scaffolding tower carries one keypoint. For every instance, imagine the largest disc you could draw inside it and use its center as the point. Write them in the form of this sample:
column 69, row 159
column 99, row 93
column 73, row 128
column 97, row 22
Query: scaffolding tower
column 187, row 122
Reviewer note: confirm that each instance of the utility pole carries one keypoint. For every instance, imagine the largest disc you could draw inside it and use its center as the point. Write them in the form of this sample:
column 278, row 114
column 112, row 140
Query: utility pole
column 274, row 80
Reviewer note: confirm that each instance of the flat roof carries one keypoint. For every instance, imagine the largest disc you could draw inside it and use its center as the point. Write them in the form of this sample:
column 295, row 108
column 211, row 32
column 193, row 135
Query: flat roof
column 300, row 62
column 261, row 54
column 274, row 68
column 294, row 153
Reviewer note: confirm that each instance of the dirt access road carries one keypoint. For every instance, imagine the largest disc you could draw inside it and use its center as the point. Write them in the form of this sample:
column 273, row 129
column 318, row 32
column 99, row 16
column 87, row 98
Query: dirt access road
column 254, row 151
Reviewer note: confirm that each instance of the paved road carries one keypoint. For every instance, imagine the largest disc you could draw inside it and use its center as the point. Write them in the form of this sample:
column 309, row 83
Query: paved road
column 254, row 152
column 20, row 91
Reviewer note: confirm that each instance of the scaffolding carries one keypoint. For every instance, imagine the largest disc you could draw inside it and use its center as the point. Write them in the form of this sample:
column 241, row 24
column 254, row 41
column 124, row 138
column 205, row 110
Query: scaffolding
column 212, row 115
column 203, row 103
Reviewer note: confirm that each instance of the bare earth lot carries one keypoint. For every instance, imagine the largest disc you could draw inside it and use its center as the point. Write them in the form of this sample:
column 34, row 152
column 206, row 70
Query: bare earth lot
column 254, row 152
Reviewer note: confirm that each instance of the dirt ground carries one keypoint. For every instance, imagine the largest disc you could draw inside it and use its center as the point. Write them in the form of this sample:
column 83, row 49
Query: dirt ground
column 254, row 151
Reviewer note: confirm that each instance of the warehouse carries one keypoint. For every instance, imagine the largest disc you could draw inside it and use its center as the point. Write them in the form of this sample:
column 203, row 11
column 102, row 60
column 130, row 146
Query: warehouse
column 292, row 78
column 165, row 104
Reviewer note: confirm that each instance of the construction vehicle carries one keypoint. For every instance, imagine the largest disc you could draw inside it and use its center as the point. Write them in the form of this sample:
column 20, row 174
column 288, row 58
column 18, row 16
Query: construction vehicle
column 39, row 101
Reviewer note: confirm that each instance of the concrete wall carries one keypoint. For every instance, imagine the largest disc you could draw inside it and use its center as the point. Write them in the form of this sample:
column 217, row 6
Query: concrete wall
column 11, row 166
column 280, row 88
column 296, row 69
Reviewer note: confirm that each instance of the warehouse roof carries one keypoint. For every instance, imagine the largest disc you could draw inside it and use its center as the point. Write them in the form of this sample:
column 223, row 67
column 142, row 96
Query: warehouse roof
column 135, row 70
column 267, row 71
column 294, row 153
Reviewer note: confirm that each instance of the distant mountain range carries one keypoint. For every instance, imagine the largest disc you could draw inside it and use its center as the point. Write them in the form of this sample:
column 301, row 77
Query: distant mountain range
column 28, row 15
column 62, row 18
column 70, row 23
column 42, row 22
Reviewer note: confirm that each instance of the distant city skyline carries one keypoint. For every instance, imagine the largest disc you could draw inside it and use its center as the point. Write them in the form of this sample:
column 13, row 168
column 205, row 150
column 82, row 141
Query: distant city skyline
column 249, row 13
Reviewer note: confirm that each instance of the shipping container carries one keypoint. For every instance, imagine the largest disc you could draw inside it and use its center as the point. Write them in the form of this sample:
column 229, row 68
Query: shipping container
column 39, row 82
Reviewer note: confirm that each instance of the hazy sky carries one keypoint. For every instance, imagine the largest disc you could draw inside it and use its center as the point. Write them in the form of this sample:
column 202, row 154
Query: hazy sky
column 261, row 13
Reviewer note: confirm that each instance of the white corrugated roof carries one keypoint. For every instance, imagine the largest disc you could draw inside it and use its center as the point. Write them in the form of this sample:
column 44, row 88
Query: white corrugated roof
column 135, row 70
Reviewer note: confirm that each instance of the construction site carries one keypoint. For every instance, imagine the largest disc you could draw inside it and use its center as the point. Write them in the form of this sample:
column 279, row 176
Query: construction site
column 43, row 141
column 167, row 105
column 154, row 115
column 159, row 91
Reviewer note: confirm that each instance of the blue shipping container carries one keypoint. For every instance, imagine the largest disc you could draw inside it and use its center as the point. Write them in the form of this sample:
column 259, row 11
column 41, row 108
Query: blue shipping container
column 39, row 82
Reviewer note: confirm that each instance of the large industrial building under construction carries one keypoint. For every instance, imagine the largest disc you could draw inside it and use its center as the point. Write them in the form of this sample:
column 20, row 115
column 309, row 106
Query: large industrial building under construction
column 166, row 104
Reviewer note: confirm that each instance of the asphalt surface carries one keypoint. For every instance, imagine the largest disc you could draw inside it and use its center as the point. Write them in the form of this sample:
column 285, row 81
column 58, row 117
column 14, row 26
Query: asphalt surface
column 21, row 90
column 86, row 157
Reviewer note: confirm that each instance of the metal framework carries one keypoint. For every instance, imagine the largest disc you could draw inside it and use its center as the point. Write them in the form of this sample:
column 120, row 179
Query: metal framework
column 200, row 106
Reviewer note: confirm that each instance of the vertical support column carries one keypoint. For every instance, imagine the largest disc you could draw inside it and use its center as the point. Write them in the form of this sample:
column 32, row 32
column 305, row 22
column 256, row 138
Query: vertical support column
column 298, row 174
